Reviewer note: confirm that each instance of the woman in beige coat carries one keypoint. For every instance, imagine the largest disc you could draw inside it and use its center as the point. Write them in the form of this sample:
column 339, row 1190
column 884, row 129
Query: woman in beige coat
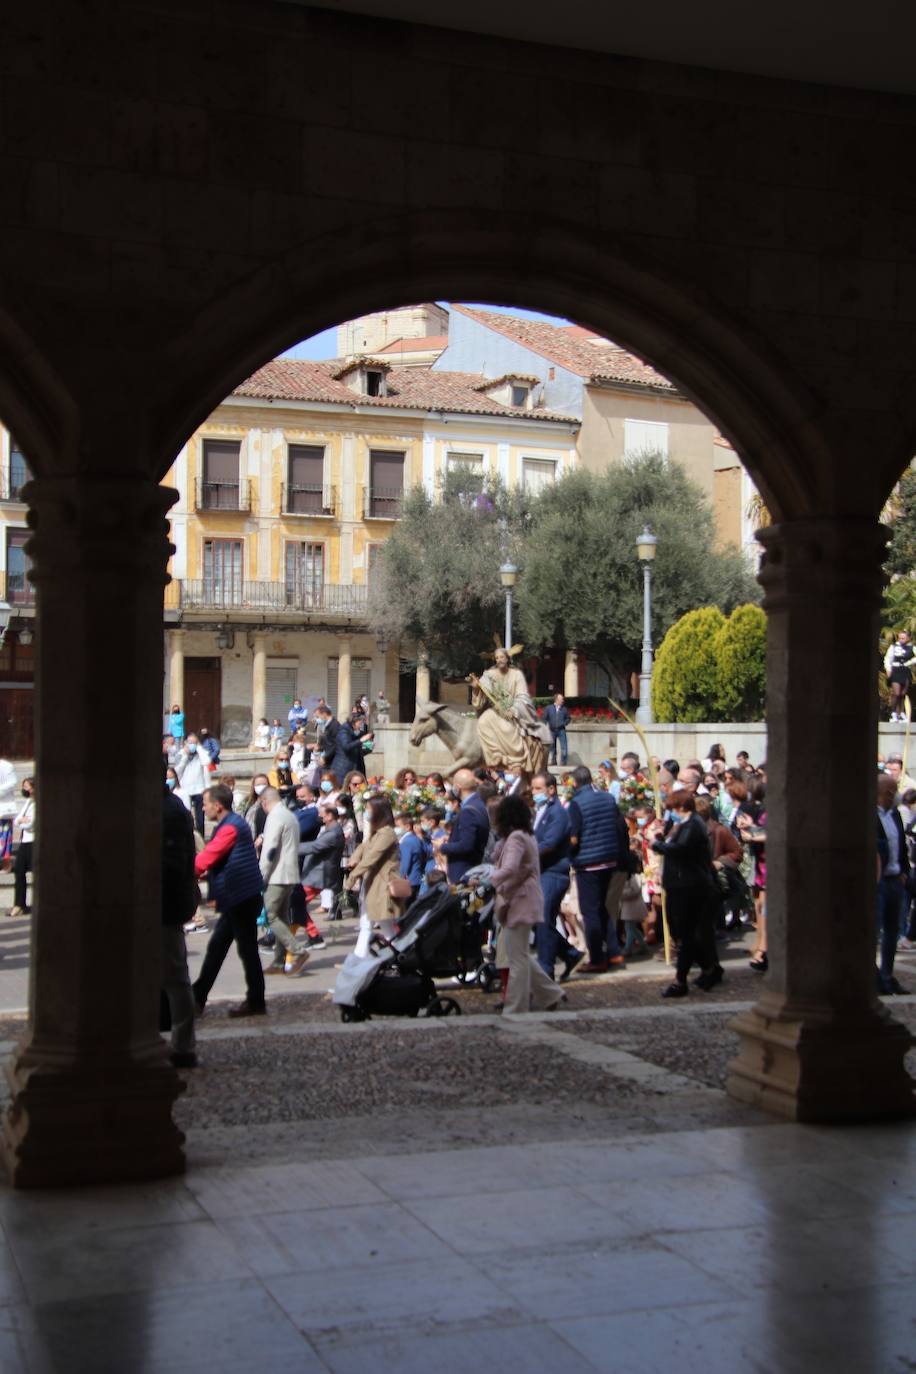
column 519, row 907
column 373, row 867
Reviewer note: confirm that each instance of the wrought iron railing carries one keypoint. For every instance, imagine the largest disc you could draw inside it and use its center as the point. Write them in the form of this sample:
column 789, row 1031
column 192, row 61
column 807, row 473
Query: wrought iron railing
column 309, row 500
column 383, row 503
column 305, row 598
column 223, row 495
column 12, row 479
column 17, row 590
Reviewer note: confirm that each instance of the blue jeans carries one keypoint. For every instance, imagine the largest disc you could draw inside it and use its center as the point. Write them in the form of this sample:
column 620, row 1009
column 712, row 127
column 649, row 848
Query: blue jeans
column 892, row 906
column 559, row 738
column 548, row 941
column 600, row 934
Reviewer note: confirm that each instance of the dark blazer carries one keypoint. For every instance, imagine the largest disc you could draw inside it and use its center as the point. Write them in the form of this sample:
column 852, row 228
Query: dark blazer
column 471, row 828
column 688, row 857
column 552, row 833
column 180, row 893
column 557, row 717
column 321, row 859
column 884, row 850
column 309, row 822
column 343, row 752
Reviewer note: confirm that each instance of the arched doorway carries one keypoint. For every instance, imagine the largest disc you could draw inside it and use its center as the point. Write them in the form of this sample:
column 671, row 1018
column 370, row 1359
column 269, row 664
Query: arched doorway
column 818, row 1047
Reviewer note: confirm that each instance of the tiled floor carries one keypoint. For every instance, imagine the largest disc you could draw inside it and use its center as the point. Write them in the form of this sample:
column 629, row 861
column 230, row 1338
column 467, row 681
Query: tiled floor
column 775, row 1249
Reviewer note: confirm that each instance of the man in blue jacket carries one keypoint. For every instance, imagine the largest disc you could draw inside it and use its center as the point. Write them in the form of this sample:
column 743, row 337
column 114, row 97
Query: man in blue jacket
column 557, row 719
column 552, row 831
column 599, row 845
column 414, row 852
column 230, row 863
column 470, row 829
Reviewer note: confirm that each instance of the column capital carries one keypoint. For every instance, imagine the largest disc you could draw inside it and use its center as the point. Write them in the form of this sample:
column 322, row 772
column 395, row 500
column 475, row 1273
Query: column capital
column 99, row 524
column 835, row 559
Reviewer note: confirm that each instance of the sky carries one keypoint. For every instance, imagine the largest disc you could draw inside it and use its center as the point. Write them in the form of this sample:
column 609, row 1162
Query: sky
column 324, row 345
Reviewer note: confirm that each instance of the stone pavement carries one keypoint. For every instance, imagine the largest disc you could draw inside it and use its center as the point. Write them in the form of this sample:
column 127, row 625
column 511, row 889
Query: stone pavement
column 530, row 1196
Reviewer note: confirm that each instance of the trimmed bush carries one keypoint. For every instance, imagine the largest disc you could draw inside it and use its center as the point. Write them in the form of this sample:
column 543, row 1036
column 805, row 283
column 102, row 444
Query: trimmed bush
column 740, row 651
column 685, row 679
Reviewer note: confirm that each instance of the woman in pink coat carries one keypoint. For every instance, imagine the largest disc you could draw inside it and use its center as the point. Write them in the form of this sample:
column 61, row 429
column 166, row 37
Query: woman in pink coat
column 519, row 907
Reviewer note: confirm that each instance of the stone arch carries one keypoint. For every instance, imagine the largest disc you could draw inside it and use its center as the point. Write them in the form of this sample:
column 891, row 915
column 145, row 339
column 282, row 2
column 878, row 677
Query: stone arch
column 720, row 363
column 34, row 402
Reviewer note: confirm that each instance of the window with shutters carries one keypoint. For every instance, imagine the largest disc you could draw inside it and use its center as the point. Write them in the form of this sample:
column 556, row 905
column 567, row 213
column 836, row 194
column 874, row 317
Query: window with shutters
column 19, row 590
column 538, row 473
column 306, row 492
column 464, row 476
column 304, row 574
column 220, row 487
column 386, row 485
column 222, row 566
column 642, row 437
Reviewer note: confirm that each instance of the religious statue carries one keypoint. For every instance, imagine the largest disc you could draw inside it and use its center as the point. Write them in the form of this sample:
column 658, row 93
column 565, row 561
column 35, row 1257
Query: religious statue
column 511, row 735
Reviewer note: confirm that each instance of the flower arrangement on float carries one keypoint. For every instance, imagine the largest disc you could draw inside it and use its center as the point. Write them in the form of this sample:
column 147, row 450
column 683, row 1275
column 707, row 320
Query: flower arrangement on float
column 635, row 791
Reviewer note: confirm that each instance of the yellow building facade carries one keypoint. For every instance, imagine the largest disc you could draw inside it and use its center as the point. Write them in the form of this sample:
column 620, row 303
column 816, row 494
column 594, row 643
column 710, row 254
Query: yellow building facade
column 285, row 495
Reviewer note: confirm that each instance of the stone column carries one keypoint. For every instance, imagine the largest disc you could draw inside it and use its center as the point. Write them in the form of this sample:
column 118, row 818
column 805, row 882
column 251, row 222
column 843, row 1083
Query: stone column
column 258, row 681
column 92, row 1088
column 393, row 680
column 423, row 687
column 819, row 1046
column 176, row 668
column 344, row 686
column 571, row 674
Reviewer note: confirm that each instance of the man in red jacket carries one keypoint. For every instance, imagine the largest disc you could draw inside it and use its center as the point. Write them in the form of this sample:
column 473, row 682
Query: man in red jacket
column 230, row 863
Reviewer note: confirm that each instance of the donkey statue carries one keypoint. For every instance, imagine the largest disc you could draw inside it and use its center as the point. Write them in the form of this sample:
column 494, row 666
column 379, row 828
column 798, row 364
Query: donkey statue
column 457, row 732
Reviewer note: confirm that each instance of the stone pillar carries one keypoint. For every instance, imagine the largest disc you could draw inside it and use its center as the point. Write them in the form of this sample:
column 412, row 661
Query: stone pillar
column 393, row 681
column 258, row 682
column 819, row 1046
column 176, row 668
column 423, row 687
column 92, row 1088
column 344, row 684
column 571, row 674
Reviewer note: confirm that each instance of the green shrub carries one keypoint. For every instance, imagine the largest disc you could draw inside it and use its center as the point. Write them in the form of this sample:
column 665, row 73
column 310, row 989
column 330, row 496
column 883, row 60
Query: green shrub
column 685, row 679
column 740, row 650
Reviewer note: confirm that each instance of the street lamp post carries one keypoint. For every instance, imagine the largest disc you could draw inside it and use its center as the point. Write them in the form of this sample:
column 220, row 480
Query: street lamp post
column 508, row 574
column 645, row 552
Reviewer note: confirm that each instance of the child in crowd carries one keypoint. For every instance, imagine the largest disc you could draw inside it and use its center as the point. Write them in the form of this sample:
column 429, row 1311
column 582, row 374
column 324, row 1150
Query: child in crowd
column 262, row 735
column 276, row 735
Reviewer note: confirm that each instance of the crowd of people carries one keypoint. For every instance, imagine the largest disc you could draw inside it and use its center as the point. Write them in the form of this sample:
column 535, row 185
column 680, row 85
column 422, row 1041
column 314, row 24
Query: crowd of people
column 591, row 870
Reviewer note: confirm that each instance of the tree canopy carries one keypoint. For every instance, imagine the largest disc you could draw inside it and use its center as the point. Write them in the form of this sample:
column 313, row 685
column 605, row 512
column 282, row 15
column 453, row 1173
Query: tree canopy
column 581, row 585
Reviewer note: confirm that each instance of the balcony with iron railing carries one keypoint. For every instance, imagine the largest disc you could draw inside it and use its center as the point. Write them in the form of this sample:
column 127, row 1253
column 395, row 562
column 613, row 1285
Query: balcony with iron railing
column 223, row 496
column 383, row 503
column 13, row 478
column 318, row 501
column 273, row 598
column 17, row 590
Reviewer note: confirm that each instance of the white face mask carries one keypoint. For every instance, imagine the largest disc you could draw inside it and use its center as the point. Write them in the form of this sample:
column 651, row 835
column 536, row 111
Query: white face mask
column 259, row 788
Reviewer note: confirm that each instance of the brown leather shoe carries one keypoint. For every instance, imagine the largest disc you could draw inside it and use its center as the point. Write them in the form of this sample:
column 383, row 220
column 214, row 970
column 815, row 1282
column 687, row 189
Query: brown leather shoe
column 592, row 968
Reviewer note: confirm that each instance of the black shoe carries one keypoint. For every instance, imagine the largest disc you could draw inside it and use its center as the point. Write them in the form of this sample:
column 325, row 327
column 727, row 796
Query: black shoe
column 316, row 942
column 760, row 964
column 246, row 1009
column 708, row 980
column 268, row 941
column 676, row 990
column 183, row 1060
column 569, row 963
column 894, row 988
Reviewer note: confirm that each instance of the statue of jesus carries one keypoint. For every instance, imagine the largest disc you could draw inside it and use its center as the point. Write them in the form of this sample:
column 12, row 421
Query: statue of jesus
column 511, row 735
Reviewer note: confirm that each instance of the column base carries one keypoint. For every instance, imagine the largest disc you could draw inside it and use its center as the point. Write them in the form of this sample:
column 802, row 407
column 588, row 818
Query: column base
column 90, row 1122
column 822, row 1067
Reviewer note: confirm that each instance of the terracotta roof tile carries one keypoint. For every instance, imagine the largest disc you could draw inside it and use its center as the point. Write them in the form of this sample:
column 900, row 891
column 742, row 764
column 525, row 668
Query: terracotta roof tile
column 409, row 388
column 579, row 350
column 430, row 343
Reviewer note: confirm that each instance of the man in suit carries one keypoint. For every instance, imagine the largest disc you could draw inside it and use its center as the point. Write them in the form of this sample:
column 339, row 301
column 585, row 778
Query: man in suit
column 470, row 829
column 893, row 875
column 306, row 812
column 557, row 718
column 552, row 831
column 599, row 843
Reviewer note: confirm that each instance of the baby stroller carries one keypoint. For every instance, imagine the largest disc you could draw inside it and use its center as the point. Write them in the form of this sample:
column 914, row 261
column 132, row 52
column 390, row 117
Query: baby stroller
column 437, row 938
column 478, row 897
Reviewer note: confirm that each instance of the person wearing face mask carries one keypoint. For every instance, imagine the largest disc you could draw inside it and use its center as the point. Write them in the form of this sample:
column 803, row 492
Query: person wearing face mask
column 281, row 775
column 689, row 885
column 252, row 810
column 306, row 811
column 192, row 768
column 552, row 831
column 471, row 826
column 279, row 863
column 321, row 865
column 414, row 853
column 173, row 783
column 329, row 787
